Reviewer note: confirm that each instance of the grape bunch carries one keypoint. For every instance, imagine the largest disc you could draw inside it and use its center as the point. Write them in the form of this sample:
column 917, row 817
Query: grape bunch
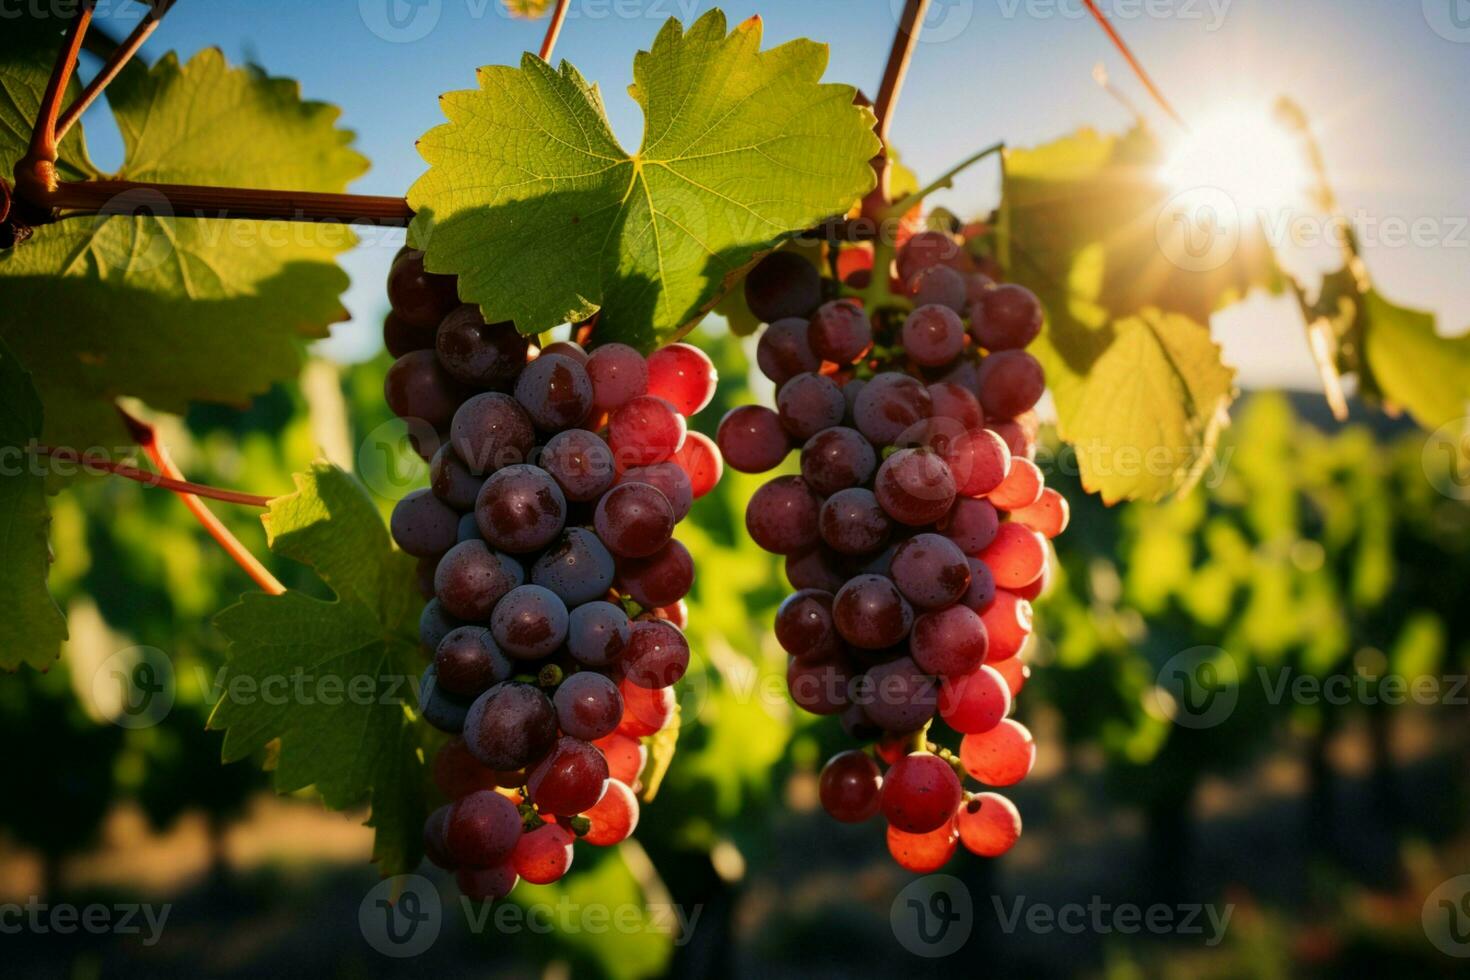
column 555, row 586
column 915, row 536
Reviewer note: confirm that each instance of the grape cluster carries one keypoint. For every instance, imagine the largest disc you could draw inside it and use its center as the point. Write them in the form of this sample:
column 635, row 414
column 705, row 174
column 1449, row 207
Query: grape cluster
column 545, row 544
column 915, row 535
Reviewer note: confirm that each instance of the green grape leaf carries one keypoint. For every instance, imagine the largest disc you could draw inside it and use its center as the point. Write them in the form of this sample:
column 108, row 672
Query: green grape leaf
column 530, row 200
column 1086, row 224
column 1414, row 366
column 170, row 309
column 1145, row 421
column 331, row 682
column 33, row 627
column 661, row 748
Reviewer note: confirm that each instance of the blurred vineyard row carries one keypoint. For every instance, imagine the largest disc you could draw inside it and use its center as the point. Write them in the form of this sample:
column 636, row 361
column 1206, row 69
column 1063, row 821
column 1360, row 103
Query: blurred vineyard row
column 1318, row 552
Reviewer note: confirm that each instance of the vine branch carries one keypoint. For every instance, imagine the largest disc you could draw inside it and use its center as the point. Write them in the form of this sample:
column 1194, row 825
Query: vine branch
column 38, row 166
column 106, row 197
column 147, row 437
column 116, row 60
column 177, row 484
column 1133, row 62
column 899, row 56
column 553, row 29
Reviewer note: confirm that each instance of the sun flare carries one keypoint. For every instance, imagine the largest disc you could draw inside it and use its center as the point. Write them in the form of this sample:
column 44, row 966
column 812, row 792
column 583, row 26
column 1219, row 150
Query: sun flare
column 1243, row 152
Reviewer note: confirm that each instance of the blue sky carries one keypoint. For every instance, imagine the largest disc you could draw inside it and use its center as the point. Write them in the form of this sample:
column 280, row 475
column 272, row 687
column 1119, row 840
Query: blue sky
column 1384, row 81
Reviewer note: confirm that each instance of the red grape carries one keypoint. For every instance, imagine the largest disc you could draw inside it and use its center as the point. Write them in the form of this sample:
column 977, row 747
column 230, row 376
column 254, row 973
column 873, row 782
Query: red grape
column 683, row 376
column 920, row 793
column 850, row 787
column 1002, row 756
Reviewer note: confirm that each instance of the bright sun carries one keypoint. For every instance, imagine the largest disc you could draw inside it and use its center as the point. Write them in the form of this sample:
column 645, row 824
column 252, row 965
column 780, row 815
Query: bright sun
column 1244, row 153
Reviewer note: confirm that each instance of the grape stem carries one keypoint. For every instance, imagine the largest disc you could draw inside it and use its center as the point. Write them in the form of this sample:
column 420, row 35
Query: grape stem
column 943, row 182
column 119, row 57
column 189, row 494
column 553, row 29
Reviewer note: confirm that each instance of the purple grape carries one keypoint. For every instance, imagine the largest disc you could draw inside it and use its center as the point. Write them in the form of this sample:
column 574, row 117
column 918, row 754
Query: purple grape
column 556, row 392
column 423, row 525
column 897, row 696
column 782, row 516
column 933, row 335
column 580, row 462
column 482, row 829
column 434, row 625
column 670, row 480
column 840, row 332
column 1011, row 382
column 930, row 571
column 783, row 284
column 570, row 780
column 889, row 404
column 471, row 579
column 588, row 706
column 660, row 579
column 577, row 567
column 809, row 403
column 438, row 707
column 971, row 524
column 949, row 642
column 452, row 481
column 980, row 596
column 804, row 626
column 870, row 613
column 492, row 431
column 521, row 509
column 836, row 459
column 813, row 569
column 634, row 520
column 484, row 355
column 417, row 387
column 784, row 351
column 851, row 522
column 469, row 663
column 510, row 727
column 752, row 439
column 915, row 487
column 940, row 286
column 529, row 623
column 656, row 655
column 597, row 633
